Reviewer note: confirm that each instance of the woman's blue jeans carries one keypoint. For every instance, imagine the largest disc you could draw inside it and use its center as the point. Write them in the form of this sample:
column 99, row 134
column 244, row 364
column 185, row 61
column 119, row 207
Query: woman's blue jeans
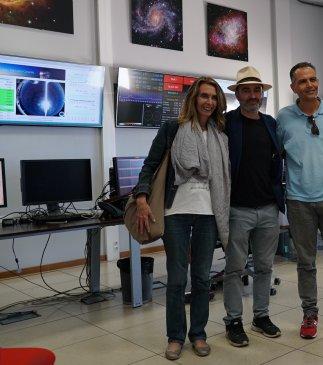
column 188, row 237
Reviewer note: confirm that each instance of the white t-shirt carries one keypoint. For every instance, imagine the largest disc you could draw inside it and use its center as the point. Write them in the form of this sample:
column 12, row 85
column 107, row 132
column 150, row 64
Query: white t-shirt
column 192, row 197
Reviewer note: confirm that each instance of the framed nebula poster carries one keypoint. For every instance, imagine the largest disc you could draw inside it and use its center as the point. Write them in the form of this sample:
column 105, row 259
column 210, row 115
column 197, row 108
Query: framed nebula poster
column 227, row 32
column 157, row 23
column 54, row 15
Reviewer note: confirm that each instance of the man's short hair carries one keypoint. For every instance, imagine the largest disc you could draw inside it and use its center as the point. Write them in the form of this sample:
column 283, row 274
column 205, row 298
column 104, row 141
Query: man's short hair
column 300, row 65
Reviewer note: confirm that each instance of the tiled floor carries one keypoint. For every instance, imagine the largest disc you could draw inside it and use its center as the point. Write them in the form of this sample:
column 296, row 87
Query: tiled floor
column 111, row 333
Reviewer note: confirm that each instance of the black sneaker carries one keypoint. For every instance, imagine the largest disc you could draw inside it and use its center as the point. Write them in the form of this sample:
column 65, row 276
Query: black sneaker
column 265, row 326
column 236, row 334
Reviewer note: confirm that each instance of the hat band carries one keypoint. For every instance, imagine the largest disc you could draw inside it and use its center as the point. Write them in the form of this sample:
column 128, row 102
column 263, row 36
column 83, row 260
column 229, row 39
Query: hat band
column 246, row 79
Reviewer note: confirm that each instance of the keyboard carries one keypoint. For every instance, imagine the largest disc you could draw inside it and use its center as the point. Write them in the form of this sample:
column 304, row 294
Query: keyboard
column 64, row 217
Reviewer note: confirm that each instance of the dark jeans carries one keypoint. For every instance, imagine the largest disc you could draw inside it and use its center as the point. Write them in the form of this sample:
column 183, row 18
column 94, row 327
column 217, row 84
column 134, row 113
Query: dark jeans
column 304, row 220
column 182, row 232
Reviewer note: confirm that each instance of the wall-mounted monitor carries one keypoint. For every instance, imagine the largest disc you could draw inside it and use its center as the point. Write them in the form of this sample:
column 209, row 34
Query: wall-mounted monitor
column 126, row 171
column 148, row 99
column 3, row 195
column 52, row 182
column 50, row 93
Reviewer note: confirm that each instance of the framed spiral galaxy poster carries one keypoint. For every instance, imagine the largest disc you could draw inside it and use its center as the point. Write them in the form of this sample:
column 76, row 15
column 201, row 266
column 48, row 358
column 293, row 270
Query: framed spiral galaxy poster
column 227, row 32
column 157, row 23
column 54, row 15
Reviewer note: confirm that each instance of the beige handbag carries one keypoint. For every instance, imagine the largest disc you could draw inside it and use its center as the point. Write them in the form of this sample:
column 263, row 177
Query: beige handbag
column 157, row 206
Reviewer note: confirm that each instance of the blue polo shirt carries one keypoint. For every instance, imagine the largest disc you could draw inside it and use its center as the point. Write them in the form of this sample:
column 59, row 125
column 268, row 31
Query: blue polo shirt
column 304, row 153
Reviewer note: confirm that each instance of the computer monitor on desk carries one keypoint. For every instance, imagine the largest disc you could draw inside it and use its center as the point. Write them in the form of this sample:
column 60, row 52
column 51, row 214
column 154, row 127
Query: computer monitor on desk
column 3, row 196
column 52, row 182
column 126, row 173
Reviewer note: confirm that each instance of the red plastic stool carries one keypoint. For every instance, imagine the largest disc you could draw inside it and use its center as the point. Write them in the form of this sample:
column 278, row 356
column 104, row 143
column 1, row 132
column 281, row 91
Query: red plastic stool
column 26, row 356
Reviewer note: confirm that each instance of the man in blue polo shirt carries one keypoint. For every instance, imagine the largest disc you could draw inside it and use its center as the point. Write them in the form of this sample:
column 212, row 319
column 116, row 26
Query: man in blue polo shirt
column 300, row 132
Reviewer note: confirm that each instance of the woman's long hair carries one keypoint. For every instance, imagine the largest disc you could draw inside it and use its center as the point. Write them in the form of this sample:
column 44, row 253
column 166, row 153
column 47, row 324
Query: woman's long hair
column 189, row 111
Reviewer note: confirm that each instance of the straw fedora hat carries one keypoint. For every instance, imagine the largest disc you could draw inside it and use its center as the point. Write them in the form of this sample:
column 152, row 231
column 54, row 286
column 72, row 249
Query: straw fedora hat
column 249, row 75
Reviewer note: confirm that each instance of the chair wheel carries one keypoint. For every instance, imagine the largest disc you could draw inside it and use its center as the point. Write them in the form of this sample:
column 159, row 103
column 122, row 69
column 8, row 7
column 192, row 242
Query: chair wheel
column 273, row 291
column 277, row 281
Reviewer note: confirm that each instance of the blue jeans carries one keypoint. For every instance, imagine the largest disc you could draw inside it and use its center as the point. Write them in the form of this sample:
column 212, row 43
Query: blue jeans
column 182, row 233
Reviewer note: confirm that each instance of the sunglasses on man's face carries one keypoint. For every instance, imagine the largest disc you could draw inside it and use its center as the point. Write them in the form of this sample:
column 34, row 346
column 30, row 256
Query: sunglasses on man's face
column 314, row 128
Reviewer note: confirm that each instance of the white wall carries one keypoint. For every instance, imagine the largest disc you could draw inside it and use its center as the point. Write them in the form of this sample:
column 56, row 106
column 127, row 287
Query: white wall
column 21, row 142
column 297, row 33
column 306, row 31
column 281, row 23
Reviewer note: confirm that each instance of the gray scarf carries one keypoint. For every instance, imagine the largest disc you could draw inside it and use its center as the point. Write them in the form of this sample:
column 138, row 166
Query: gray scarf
column 191, row 157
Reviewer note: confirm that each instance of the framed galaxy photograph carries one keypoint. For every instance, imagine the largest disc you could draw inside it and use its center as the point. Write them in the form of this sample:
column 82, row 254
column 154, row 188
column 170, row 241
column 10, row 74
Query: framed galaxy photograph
column 157, row 23
column 227, row 32
column 54, row 15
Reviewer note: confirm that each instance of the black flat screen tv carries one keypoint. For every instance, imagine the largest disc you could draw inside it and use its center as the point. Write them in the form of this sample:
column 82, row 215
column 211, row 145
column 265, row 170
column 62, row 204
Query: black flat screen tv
column 3, row 195
column 52, row 182
column 147, row 99
column 42, row 92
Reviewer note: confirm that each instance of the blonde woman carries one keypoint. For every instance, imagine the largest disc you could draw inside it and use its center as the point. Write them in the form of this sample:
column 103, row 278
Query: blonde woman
column 196, row 207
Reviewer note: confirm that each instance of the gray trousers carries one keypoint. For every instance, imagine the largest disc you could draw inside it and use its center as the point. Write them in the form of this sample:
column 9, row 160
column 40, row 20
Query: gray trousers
column 304, row 220
column 258, row 228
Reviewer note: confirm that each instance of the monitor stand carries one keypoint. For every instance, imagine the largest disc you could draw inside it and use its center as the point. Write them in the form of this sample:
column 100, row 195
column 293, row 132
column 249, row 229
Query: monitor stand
column 53, row 209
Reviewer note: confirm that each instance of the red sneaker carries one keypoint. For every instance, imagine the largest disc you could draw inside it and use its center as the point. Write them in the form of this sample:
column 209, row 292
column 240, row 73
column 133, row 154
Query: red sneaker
column 309, row 326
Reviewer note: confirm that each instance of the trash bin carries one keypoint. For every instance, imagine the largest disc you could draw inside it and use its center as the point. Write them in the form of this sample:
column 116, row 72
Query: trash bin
column 147, row 268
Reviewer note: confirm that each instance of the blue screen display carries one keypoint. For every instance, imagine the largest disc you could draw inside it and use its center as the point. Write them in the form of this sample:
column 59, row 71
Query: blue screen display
column 41, row 92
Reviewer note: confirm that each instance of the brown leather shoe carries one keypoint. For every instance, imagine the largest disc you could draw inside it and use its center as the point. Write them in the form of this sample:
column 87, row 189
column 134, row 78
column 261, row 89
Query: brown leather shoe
column 201, row 348
column 173, row 350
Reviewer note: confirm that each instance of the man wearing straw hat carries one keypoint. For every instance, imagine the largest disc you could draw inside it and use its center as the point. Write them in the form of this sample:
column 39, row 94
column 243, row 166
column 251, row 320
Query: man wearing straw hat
column 256, row 198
